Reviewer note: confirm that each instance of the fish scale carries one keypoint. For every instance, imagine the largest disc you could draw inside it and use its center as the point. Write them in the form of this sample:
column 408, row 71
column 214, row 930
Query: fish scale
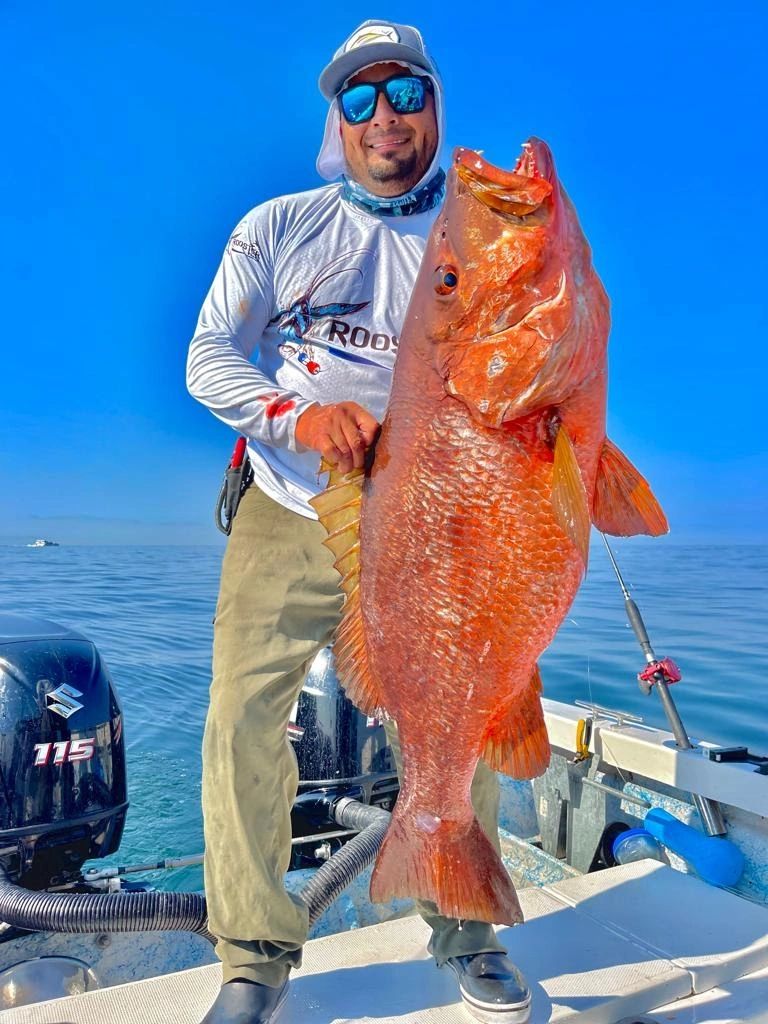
column 463, row 545
column 476, row 541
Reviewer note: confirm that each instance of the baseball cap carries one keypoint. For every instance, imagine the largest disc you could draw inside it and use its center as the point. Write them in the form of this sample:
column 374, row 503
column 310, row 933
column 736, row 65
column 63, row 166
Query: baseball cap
column 375, row 42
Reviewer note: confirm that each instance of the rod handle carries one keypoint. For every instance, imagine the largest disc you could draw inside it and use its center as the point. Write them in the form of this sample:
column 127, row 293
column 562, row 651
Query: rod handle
column 637, row 624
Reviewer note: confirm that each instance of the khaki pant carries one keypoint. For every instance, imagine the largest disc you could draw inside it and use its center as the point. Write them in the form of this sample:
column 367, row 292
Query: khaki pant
column 279, row 604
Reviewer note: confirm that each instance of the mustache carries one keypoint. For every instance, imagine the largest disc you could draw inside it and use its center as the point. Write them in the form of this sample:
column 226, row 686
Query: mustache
column 374, row 139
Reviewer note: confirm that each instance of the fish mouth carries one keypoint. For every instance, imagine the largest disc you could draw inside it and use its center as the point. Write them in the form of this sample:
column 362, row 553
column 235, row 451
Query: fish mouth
column 518, row 192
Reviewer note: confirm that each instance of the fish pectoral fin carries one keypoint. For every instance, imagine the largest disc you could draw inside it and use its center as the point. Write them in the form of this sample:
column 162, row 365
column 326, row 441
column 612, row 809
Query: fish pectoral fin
column 624, row 504
column 569, row 496
column 338, row 509
column 516, row 741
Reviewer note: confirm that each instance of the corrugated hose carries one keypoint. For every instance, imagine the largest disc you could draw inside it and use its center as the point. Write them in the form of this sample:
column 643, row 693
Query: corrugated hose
column 186, row 911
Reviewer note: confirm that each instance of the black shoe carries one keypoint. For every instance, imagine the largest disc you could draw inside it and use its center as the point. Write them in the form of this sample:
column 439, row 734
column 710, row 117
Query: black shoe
column 492, row 988
column 246, row 1002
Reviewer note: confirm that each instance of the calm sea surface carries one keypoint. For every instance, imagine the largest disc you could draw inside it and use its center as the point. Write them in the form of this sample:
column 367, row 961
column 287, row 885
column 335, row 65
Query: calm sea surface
column 149, row 611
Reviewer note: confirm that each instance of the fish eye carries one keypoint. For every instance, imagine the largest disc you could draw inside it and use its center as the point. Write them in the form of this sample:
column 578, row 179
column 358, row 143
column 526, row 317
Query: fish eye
column 446, row 279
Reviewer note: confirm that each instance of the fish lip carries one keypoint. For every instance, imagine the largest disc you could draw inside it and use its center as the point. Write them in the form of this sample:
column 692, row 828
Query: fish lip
column 473, row 162
column 519, row 192
column 535, row 161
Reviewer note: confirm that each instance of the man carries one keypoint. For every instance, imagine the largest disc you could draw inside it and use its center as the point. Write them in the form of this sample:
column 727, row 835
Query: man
column 315, row 286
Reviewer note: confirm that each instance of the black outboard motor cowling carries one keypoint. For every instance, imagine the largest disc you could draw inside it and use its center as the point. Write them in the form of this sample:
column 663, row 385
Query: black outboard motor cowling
column 63, row 789
column 340, row 752
column 63, row 796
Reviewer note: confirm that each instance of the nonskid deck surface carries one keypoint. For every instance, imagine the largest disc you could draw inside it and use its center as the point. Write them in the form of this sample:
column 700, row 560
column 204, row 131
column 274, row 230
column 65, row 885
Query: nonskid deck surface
column 600, row 947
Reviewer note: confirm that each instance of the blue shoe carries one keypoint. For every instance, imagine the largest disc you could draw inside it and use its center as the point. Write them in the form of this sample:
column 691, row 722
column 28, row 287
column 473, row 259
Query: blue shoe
column 492, row 988
column 246, row 1002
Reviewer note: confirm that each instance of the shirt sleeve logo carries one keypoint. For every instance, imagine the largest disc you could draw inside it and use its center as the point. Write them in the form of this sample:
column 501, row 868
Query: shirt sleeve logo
column 237, row 244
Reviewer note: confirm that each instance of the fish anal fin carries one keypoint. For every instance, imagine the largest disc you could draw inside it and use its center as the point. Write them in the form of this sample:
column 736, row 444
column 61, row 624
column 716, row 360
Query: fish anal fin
column 516, row 741
column 569, row 497
column 338, row 509
column 624, row 504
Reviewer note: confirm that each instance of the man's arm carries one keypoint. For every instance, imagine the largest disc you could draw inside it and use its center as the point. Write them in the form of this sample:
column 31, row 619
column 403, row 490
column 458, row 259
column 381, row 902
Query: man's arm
column 231, row 323
column 219, row 374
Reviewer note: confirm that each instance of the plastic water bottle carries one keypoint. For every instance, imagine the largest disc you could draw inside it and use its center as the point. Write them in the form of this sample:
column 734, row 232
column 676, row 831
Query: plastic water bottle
column 715, row 860
column 636, row 844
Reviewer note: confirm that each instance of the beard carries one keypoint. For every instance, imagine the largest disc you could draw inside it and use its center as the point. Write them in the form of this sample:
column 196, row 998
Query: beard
column 395, row 168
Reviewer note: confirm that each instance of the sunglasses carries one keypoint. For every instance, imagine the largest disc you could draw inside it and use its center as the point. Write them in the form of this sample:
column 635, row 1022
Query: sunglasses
column 406, row 94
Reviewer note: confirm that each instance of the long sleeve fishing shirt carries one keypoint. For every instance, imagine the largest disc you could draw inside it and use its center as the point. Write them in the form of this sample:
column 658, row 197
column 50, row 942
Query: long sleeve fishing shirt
column 307, row 306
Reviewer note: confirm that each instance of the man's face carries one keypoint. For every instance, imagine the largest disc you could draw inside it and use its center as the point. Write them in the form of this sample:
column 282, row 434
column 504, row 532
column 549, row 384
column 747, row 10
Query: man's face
column 390, row 153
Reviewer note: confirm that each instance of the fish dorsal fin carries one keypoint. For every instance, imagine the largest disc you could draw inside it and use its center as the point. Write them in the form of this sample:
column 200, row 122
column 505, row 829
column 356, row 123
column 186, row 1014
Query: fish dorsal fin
column 515, row 741
column 569, row 497
column 624, row 503
column 338, row 508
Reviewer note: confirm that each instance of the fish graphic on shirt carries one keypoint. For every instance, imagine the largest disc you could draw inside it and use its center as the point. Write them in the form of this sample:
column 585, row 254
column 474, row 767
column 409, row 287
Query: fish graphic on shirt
column 295, row 322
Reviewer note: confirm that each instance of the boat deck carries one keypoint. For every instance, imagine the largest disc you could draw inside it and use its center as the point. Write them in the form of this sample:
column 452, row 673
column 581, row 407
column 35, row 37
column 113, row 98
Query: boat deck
column 601, row 948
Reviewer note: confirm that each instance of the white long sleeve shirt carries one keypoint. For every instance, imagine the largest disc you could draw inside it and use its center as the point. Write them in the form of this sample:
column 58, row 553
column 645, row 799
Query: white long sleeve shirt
column 307, row 306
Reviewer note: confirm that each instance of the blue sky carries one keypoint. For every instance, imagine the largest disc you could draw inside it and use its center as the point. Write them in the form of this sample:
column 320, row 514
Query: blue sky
column 138, row 135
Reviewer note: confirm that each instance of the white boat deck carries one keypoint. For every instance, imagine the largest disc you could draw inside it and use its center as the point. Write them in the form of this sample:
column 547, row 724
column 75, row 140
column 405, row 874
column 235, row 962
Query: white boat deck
column 601, row 948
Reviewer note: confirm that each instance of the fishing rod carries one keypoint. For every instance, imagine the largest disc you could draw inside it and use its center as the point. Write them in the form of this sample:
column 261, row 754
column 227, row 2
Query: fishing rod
column 660, row 672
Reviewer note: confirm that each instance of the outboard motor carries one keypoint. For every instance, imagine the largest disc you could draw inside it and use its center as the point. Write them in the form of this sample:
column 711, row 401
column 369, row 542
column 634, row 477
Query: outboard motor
column 341, row 753
column 63, row 796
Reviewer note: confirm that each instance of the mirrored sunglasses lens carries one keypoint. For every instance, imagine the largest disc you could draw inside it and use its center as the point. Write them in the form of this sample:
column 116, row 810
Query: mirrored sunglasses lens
column 358, row 103
column 406, row 95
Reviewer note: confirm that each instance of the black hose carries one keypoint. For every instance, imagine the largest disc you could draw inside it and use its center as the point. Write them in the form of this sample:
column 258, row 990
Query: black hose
column 353, row 858
column 102, row 912
column 186, row 911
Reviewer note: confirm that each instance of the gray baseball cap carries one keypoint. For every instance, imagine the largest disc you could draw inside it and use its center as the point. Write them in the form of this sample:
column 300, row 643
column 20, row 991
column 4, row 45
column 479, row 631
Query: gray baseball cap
column 375, row 42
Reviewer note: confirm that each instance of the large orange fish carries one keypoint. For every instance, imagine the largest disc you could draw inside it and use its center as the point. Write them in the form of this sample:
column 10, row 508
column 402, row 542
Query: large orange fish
column 469, row 541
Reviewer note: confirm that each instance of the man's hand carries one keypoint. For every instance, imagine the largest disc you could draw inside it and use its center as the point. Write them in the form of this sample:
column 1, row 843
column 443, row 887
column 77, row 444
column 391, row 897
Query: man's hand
column 340, row 432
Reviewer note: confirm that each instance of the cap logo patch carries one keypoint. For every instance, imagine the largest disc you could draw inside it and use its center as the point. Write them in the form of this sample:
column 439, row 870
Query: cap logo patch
column 372, row 34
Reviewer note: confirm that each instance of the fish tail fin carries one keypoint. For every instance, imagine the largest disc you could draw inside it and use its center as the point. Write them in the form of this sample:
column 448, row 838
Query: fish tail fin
column 453, row 864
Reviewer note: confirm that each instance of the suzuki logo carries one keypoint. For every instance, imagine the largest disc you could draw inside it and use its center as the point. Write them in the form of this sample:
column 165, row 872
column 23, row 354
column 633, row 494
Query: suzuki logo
column 63, row 700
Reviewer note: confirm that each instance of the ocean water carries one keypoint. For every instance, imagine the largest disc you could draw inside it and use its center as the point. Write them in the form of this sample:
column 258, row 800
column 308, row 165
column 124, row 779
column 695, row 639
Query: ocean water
column 149, row 611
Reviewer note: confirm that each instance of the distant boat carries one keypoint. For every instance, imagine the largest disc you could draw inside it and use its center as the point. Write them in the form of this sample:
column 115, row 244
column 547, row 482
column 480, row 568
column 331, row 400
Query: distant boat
column 40, row 543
